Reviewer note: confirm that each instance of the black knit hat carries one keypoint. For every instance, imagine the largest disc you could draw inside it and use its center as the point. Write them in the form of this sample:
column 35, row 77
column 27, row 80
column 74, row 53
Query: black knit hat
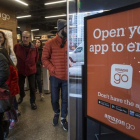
column 61, row 23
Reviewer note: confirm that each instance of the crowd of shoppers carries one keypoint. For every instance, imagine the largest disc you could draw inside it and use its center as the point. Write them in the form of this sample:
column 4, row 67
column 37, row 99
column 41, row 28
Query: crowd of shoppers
column 26, row 61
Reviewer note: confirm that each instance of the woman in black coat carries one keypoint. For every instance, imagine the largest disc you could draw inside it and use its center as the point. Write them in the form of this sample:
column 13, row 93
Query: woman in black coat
column 38, row 67
column 4, row 74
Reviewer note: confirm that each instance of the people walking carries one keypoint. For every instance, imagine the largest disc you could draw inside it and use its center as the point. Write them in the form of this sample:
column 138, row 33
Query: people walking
column 5, row 44
column 38, row 83
column 4, row 74
column 27, row 57
column 13, row 87
column 54, row 58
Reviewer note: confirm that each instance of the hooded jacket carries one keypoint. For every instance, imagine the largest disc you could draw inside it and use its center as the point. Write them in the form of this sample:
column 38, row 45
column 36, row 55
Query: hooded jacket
column 26, row 63
column 54, row 58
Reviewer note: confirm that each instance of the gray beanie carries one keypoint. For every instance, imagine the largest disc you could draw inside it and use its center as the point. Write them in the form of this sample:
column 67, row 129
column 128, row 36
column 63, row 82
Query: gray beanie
column 61, row 23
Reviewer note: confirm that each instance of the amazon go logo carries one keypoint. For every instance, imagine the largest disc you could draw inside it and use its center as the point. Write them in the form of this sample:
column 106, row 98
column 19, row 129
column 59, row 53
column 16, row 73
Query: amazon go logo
column 121, row 76
column 4, row 16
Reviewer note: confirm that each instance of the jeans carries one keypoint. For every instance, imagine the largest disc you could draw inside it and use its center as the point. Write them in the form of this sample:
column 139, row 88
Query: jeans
column 38, row 82
column 15, row 104
column 31, row 80
column 56, row 86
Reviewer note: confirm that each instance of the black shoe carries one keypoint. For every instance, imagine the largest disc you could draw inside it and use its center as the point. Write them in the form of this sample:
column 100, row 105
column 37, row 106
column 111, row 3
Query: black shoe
column 64, row 124
column 20, row 99
column 6, row 128
column 33, row 106
column 55, row 119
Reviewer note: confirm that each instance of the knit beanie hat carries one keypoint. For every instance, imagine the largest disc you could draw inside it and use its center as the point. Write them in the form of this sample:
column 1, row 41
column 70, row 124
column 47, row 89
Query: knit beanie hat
column 61, row 23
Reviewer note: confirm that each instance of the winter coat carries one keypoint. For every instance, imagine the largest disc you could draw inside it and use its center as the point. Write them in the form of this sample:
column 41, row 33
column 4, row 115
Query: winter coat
column 39, row 63
column 4, row 70
column 12, row 81
column 26, row 63
column 54, row 58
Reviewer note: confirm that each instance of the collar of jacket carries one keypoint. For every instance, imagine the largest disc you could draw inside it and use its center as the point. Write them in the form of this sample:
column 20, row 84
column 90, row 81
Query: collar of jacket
column 32, row 46
column 59, row 38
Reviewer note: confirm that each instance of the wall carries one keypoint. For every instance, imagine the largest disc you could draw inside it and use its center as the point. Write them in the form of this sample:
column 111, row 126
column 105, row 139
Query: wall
column 7, row 22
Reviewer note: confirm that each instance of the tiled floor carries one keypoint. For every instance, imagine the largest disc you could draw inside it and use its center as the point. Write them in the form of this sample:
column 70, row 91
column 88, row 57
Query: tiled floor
column 37, row 124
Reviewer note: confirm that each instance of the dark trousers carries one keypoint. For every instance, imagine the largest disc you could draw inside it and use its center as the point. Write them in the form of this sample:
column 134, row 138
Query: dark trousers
column 1, row 127
column 15, row 104
column 11, row 114
column 38, row 82
column 31, row 80
column 56, row 86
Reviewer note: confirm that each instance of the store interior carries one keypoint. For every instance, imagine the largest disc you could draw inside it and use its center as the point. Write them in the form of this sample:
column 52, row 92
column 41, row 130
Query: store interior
column 41, row 20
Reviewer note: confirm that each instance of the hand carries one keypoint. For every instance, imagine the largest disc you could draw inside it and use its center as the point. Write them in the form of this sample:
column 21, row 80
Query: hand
column 53, row 72
column 70, row 63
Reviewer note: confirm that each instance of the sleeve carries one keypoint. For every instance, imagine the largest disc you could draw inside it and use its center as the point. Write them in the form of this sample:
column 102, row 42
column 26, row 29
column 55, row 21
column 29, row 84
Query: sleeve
column 13, row 81
column 13, row 57
column 4, row 69
column 46, row 55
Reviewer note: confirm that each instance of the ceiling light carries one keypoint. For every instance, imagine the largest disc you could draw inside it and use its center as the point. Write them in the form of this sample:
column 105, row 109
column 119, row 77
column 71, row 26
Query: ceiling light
column 56, row 2
column 24, row 16
column 55, row 27
column 35, row 30
column 56, row 16
column 22, row 2
column 18, row 27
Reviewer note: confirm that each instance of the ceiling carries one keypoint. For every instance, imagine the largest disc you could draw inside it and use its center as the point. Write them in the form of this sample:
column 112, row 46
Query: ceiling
column 38, row 10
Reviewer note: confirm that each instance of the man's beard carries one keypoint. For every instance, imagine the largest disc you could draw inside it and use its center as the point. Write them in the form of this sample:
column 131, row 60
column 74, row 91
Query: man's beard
column 64, row 34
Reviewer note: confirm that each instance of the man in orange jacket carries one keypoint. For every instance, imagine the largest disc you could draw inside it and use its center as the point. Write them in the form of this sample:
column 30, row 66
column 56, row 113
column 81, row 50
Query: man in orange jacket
column 54, row 58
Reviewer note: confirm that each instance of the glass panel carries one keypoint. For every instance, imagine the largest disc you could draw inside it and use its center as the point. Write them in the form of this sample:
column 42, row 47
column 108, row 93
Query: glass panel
column 76, row 11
